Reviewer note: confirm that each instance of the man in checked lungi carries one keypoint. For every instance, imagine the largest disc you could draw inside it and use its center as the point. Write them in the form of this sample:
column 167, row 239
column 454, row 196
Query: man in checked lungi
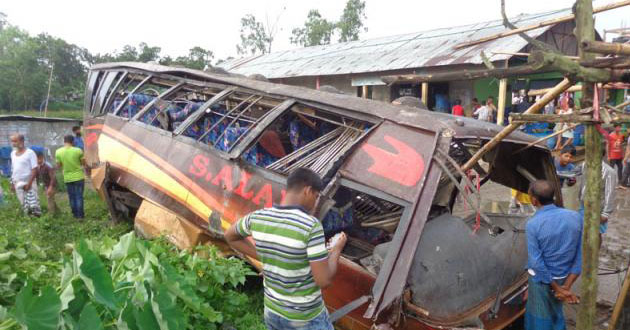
column 554, row 259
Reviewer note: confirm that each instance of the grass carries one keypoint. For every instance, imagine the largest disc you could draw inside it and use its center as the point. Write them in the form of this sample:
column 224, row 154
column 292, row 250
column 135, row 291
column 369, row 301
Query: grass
column 53, row 232
column 70, row 114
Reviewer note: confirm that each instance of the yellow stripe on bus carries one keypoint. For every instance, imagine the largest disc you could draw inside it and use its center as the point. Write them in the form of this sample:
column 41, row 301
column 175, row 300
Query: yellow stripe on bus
column 117, row 153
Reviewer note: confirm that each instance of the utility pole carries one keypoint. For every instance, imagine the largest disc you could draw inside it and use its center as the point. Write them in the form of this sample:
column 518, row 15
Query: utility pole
column 585, row 31
column 52, row 67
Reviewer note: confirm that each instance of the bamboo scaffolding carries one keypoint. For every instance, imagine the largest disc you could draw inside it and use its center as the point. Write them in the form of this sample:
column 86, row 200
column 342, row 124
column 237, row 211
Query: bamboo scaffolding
column 587, row 313
column 535, row 108
column 605, row 47
column 539, row 25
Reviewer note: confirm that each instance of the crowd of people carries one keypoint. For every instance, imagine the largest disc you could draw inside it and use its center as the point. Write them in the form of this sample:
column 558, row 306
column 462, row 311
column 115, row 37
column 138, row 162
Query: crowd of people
column 30, row 170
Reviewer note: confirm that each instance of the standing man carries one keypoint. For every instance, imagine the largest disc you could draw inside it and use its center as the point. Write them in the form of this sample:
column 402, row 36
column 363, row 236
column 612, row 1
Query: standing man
column 492, row 108
column 23, row 174
column 566, row 137
column 609, row 194
column 290, row 244
column 458, row 110
column 614, row 142
column 78, row 140
column 70, row 160
column 482, row 113
column 554, row 259
column 46, row 177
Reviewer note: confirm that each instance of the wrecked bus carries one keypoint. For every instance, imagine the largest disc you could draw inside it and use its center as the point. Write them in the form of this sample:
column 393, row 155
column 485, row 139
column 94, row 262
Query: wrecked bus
column 208, row 148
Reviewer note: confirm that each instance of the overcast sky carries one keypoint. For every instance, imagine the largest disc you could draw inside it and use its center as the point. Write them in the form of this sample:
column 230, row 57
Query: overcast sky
column 177, row 25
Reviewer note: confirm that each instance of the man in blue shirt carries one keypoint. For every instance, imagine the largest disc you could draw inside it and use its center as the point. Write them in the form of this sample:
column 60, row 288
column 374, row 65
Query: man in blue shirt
column 554, row 259
column 78, row 140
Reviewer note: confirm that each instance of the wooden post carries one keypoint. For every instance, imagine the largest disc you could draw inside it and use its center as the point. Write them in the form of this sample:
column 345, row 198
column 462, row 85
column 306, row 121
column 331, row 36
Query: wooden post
column 502, row 97
column 586, row 318
column 425, row 93
column 364, row 92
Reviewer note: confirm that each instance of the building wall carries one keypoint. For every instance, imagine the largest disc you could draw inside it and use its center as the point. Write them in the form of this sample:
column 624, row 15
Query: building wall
column 46, row 134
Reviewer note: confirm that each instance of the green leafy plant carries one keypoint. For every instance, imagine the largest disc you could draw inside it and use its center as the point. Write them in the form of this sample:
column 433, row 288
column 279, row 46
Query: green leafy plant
column 136, row 284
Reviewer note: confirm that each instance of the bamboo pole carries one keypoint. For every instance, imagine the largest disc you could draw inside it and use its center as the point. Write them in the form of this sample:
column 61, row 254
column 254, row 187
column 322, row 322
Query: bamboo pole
column 536, row 92
column 587, row 312
column 605, row 47
column 538, row 118
column 502, row 97
column 621, row 301
column 540, row 24
column 465, row 74
column 535, row 108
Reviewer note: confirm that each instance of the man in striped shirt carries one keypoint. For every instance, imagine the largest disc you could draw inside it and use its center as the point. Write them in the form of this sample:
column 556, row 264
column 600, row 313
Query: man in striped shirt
column 290, row 244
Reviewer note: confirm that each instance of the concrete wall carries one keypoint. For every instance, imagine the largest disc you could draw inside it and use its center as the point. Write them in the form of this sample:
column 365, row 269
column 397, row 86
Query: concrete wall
column 46, row 134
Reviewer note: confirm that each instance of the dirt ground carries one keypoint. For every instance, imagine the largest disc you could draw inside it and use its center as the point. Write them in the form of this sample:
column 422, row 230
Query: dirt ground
column 614, row 254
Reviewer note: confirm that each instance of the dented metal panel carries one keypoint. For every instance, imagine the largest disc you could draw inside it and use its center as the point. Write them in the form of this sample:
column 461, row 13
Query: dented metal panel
column 393, row 159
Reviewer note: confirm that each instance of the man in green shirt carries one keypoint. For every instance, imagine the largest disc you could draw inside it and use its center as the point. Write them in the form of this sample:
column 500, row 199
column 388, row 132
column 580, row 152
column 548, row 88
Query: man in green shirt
column 290, row 244
column 70, row 160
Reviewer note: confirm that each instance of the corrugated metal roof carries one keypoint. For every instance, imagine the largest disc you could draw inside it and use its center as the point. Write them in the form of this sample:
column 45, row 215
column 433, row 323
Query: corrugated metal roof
column 407, row 51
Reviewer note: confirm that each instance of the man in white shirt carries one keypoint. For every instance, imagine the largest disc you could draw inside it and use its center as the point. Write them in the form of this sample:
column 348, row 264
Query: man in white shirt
column 482, row 113
column 24, row 169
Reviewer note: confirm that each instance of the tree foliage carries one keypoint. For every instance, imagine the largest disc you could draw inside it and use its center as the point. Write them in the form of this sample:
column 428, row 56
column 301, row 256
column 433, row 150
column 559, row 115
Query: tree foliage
column 198, row 58
column 351, row 23
column 319, row 31
column 316, row 31
column 26, row 62
column 25, row 65
column 254, row 37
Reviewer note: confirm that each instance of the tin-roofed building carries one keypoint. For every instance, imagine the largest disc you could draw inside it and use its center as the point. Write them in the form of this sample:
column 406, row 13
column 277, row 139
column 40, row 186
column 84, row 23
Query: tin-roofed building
column 357, row 67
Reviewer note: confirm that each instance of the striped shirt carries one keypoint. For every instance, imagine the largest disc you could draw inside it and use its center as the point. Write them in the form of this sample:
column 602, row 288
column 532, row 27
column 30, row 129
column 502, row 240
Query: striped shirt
column 287, row 239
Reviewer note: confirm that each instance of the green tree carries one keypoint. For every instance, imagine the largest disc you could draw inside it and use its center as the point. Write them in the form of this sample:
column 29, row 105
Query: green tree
column 254, row 37
column 198, row 58
column 68, row 60
column 351, row 23
column 316, row 31
column 147, row 53
column 3, row 20
column 23, row 76
column 128, row 53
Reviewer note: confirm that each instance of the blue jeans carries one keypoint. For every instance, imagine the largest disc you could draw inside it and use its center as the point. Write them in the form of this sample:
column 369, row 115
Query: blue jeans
column 75, row 195
column 276, row 322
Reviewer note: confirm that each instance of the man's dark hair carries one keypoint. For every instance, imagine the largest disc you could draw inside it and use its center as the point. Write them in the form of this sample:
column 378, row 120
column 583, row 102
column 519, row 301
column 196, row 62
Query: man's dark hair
column 543, row 191
column 76, row 128
column 39, row 153
column 490, row 97
column 458, row 102
column 303, row 177
column 568, row 149
column 571, row 103
column 68, row 139
column 617, row 125
column 475, row 100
